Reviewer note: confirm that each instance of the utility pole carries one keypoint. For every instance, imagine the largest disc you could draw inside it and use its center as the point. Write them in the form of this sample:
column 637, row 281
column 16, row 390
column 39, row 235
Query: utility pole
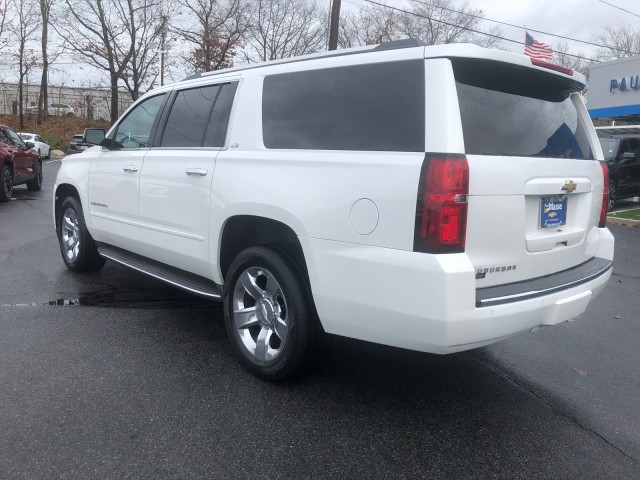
column 333, row 28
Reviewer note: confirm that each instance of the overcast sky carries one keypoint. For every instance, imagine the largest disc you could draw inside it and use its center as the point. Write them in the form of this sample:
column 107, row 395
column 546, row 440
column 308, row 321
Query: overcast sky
column 579, row 19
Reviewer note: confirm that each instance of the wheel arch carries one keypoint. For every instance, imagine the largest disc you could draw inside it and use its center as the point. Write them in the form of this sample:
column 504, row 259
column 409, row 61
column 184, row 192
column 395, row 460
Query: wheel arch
column 240, row 232
column 63, row 191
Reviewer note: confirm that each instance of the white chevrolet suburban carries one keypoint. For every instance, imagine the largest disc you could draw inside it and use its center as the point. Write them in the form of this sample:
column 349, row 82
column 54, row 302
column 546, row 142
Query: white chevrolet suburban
column 431, row 198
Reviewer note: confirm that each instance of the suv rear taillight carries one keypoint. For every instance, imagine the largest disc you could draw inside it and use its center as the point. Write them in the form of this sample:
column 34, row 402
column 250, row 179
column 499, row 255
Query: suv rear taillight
column 441, row 212
column 605, row 195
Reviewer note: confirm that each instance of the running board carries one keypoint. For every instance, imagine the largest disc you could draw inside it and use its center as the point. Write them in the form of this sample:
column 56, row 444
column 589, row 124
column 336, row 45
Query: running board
column 187, row 281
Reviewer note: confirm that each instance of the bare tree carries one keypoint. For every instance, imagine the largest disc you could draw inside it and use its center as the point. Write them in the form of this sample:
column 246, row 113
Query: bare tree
column 214, row 31
column 623, row 41
column 432, row 21
column 437, row 21
column 575, row 61
column 43, row 97
column 114, row 36
column 23, row 27
column 94, row 30
column 368, row 26
column 3, row 18
column 146, row 25
column 286, row 28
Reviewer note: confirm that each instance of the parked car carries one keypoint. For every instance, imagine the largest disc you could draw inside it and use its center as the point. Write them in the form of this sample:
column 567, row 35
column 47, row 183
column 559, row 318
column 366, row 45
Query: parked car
column 54, row 109
column 622, row 154
column 76, row 145
column 40, row 144
column 378, row 193
column 20, row 164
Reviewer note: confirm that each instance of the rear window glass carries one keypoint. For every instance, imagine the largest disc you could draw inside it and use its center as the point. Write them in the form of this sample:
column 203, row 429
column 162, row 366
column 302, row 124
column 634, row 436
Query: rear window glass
column 518, row 111
column 374, row 107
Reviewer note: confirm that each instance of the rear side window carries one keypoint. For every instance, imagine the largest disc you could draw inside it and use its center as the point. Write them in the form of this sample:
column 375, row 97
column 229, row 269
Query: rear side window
column 189, row 117
column 375, row 107
column 518, row 111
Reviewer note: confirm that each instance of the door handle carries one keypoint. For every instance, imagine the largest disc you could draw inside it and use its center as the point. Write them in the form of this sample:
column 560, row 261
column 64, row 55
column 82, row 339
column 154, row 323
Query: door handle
column 199, row 172
column 130, row 168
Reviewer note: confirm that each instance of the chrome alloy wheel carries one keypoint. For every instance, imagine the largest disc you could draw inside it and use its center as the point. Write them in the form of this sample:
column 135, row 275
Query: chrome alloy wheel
column 261, row 316
column 70, row 232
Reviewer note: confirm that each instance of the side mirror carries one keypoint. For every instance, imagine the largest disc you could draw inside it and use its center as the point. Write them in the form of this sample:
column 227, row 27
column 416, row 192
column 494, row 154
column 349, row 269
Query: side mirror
column 94, row 136
column 629, row 156
column 30, row 144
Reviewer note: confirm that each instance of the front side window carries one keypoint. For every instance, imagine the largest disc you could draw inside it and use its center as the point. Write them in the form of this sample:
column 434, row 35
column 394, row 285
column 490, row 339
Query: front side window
column 134, row 130
column 372, row 107
column 518, row 111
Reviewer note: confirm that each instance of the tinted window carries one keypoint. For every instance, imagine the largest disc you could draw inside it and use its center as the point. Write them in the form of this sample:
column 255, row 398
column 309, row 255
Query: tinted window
column 377, row 107
column 135, row 129
column 219, row 121
column 189, row 117
column 609, row 147
column 517, row 111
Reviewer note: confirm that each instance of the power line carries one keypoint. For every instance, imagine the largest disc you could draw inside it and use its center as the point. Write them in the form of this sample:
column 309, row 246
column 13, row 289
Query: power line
column 467, row 28
column 619, row 8
column 523, row 28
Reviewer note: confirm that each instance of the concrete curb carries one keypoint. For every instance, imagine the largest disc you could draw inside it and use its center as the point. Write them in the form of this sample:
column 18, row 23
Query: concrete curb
column 623, row 221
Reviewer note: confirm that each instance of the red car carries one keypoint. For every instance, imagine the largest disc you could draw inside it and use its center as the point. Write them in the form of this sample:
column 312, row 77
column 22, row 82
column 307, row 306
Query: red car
column 19, row 164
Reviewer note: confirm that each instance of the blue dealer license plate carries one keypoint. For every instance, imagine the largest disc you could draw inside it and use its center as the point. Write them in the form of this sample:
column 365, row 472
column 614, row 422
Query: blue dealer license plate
column 553, row 211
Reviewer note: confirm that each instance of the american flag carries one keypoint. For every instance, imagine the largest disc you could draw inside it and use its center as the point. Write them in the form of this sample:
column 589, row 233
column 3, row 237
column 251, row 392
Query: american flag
column 536, row 49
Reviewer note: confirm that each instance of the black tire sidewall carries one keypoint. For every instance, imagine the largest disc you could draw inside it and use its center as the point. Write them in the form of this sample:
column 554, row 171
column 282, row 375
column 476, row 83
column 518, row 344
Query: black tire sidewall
column 5, row 193
column 612, row 198
column 88, row 257
column 293, row 357
column 35, row 184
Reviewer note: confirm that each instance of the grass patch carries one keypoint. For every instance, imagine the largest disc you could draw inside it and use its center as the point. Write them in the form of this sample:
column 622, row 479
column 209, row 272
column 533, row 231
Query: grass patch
column 632, row 214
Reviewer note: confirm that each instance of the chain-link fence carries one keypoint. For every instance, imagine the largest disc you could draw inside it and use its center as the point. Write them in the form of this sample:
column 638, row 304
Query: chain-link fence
column 81, row 102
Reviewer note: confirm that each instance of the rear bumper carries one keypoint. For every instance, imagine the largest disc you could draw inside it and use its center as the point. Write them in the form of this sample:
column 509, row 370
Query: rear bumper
column 429, row 302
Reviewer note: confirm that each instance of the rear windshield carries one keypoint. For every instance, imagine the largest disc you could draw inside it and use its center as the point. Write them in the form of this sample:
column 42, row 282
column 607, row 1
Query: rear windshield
column 518, row 111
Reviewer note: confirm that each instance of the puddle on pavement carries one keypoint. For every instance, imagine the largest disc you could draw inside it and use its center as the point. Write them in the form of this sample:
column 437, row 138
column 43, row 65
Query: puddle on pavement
column 134, row 299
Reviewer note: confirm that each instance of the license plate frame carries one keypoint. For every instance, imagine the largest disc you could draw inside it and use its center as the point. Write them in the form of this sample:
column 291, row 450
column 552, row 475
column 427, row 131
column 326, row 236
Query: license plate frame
column 553, row 211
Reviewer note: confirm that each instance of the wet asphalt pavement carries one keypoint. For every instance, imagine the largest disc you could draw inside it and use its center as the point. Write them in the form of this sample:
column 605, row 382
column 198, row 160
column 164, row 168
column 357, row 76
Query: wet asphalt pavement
column 137, row 380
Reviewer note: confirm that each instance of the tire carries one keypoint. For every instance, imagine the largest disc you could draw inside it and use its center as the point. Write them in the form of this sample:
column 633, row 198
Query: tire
column 35, row 184
column 79, row 250
column 6, row 183
column 269, row 314
column 613, row 196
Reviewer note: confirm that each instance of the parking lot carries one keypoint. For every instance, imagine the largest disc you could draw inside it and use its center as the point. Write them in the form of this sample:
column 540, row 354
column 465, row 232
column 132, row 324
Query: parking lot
column 116, row 375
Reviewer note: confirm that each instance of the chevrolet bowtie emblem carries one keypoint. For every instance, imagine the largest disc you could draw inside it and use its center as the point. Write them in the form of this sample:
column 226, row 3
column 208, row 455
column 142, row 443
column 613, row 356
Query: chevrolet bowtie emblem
column 569, row 186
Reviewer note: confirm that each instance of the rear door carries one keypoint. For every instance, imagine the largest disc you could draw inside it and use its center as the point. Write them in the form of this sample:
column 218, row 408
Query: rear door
column 175, row 185
column 535, row 188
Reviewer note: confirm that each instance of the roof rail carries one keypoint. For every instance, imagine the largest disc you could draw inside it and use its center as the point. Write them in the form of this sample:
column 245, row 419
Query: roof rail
column 404, row 43
column 393, row 45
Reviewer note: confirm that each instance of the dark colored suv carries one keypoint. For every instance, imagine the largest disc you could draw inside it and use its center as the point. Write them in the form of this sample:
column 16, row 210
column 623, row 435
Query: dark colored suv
column 622, row 155
column 20, row 164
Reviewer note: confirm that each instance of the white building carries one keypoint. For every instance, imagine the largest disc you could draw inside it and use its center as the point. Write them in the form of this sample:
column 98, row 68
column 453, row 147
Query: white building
column 86, row 102
column 614, row 90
